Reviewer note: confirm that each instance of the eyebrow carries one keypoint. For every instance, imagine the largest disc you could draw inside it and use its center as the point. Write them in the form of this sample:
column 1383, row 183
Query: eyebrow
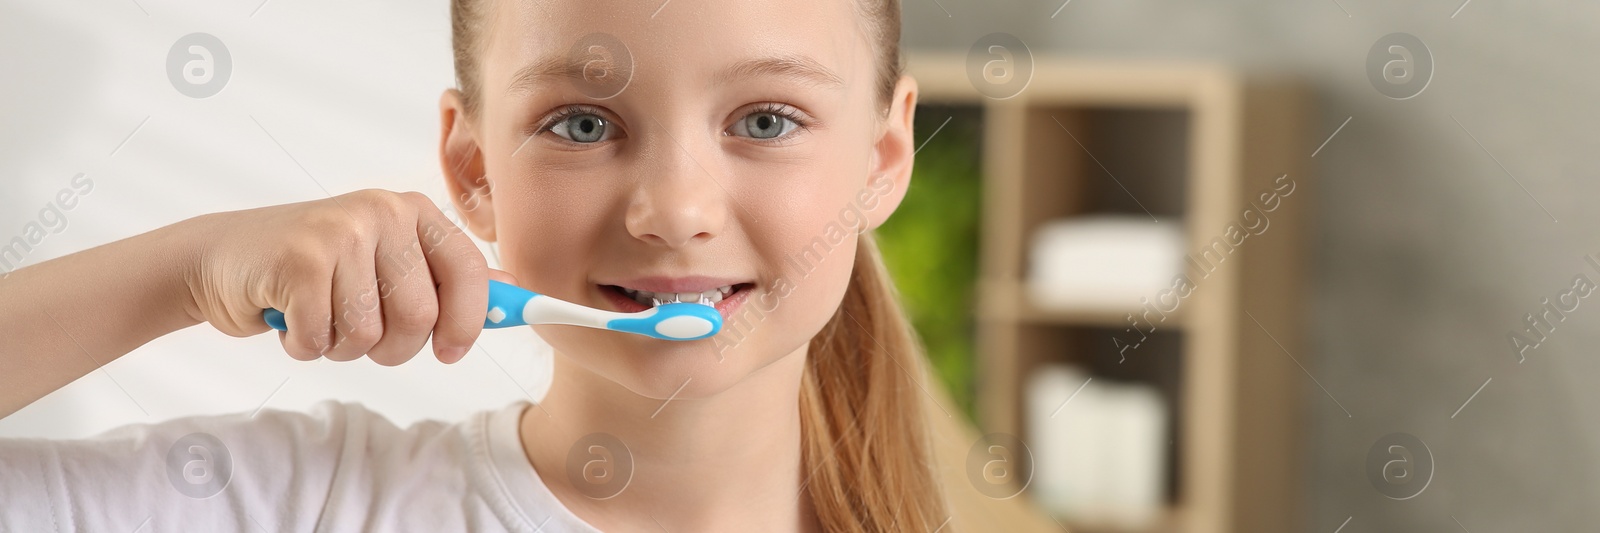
column 548, row 67
column 797, row 68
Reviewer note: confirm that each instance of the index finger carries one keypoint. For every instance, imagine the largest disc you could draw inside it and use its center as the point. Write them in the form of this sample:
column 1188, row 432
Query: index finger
column 461, row 275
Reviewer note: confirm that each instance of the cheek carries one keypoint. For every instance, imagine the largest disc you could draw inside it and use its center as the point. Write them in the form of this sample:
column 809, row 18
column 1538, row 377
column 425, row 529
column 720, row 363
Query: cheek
column 806, row 184
column 803, row 226
column 808, row 270
column 807, row 296
column 547, row 227
column 794, row 205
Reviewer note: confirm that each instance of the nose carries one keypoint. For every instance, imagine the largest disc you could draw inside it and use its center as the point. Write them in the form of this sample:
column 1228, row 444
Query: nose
column 677, row 202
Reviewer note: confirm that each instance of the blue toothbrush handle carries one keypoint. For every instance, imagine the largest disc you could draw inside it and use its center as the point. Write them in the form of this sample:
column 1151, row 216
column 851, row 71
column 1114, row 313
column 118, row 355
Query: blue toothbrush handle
column 274, row 318
column 509, row 305
column 506, row 302
column 502, row 296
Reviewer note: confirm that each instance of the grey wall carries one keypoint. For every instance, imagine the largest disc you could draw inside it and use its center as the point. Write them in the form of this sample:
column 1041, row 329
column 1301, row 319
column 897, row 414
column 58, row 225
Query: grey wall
column 1426, row 252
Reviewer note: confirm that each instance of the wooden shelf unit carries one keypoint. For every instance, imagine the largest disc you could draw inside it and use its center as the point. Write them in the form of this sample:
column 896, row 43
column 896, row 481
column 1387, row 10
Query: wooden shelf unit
column 1237, row 405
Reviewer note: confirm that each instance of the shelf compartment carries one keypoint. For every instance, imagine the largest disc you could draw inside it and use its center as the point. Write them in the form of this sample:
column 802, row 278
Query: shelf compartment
column 1006, row 301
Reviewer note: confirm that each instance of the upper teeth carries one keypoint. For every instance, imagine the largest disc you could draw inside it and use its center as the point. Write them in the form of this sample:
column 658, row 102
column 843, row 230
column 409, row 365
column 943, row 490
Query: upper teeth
column 655, row 299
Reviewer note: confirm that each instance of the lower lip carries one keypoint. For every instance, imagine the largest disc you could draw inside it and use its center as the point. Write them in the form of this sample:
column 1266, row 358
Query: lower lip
column 622, row 303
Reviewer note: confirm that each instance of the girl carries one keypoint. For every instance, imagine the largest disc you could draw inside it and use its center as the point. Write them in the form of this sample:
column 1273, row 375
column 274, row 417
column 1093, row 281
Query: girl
column 736, row 150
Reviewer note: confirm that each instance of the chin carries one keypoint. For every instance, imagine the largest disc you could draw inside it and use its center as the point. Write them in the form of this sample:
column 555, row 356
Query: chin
column 659, row 369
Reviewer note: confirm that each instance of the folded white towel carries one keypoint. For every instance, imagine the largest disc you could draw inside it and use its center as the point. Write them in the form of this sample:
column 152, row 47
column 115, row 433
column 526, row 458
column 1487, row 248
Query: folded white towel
column 1103, row 262
column 1099, row 458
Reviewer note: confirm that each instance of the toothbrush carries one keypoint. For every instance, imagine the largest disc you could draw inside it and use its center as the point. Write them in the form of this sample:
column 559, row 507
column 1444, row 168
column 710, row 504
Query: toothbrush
column 510, row 305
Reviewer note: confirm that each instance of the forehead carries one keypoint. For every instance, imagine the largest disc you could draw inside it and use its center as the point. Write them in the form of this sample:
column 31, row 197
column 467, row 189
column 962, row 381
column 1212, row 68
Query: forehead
column 816, row 43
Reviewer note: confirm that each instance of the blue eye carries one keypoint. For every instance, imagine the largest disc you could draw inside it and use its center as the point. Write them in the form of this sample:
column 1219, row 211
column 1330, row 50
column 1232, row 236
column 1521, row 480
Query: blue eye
column 583, row 128
column 764, row 125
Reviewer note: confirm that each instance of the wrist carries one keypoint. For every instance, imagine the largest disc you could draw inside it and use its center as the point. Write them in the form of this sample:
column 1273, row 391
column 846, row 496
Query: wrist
column 179, row 256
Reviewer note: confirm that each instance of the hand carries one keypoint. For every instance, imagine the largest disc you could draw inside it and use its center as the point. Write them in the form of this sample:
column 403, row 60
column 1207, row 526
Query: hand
column 367, row 273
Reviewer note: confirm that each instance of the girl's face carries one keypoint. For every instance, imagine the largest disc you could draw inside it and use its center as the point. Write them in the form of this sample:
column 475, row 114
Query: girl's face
column 683, row 148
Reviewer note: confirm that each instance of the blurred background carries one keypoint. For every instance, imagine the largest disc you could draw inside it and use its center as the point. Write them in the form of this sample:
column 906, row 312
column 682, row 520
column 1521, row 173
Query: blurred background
column 1354, row 368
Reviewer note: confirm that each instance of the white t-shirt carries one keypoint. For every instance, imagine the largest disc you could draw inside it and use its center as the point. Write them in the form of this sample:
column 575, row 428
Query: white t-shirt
column 338, row 468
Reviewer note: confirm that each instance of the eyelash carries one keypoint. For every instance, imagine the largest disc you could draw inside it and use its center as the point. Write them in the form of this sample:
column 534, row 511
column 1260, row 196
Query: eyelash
column 782, row 110
column 566, row 112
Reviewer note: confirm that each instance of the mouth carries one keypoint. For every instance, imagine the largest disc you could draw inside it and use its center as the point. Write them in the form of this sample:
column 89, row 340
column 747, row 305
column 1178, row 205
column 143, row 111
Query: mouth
column 724, row 298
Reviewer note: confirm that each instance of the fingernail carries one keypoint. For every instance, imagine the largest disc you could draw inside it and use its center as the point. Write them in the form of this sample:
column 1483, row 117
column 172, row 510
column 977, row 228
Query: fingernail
column 451, row 355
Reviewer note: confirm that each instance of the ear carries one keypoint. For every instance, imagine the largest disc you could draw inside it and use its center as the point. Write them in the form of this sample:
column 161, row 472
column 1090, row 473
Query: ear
column 889, row 176
column 462, row 160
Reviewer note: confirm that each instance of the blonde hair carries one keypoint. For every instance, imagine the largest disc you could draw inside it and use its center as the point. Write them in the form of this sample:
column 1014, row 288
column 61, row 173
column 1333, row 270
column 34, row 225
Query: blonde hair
column 865, row 445
column 861, row 413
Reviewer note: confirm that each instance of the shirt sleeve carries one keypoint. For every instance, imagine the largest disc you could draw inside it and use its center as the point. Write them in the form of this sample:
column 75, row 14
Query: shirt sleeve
column 266, row 471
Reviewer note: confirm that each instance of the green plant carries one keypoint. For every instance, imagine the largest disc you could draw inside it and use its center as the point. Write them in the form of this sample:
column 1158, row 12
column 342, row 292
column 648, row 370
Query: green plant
column 931, row 243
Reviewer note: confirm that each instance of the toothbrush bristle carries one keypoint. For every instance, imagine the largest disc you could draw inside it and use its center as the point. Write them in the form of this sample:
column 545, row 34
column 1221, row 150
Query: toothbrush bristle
column 704, row 300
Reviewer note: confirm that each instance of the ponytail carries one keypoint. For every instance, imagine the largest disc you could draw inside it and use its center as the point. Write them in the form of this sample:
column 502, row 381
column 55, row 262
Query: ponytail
column 865, row 447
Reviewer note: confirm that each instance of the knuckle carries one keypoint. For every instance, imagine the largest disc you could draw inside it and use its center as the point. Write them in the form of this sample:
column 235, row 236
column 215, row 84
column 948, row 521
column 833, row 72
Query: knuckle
column 300, row 354
column 473, row 265
column 391, row 356
column 392, row 204
column 414, row 320
column 356, row 315
column 363, row 335
column 341, row 356
column 293, row 347
column 417, row 199
column 375, row 203
column 312, row 347
column 392, row 351
column 369, row 196
column 343, row 347
column 435, row 235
